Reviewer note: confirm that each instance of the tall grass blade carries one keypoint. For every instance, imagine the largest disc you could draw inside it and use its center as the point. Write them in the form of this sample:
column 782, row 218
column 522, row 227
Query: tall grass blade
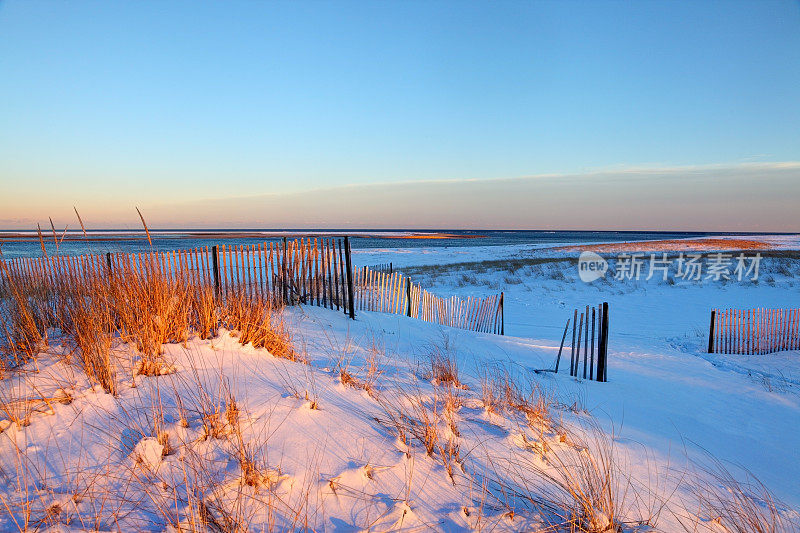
column 41, row 239
column 83, row 228
column 147, row 231
column 55, row 237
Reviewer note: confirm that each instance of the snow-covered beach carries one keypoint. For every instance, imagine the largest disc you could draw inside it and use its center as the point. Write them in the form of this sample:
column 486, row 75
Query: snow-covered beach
column 332, row 439
column 350, row 266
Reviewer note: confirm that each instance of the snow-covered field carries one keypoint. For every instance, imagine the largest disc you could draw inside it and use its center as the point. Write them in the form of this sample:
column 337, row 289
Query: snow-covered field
column 370, row 436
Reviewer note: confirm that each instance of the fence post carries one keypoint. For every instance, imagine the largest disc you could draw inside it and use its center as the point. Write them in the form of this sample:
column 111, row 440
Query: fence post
column 586, row 341
column 408, row 295
column 599, row 371
column 561, row 347
column 711, row 333
column 591, row 344
column 215, row 265
column 578, row 351
column 350, row 288
column 502, row 318
column 108, row 262
column 284, row 273
column 602, row 356
column 572, row 356
column 343, row 277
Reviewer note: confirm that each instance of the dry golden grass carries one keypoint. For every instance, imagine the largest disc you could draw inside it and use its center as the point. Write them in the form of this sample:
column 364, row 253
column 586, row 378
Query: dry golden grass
column 444, row 363
column 578, row 486
column 502, row 393
column 733, row 505
column 92, row 328
column 205, row 312
column 364, row 378
column 24, row 319
column 257, row 322
column 431, row 423
column 143, row 307
column 150, row 310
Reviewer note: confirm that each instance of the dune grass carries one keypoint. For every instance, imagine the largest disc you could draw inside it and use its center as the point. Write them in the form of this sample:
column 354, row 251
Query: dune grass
column 116, row 327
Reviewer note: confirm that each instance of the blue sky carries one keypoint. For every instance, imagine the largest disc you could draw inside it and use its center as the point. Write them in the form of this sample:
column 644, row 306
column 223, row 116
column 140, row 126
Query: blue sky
column 110, row 104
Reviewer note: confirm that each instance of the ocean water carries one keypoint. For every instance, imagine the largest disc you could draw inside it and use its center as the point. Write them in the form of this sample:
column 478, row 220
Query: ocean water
column 13, row 244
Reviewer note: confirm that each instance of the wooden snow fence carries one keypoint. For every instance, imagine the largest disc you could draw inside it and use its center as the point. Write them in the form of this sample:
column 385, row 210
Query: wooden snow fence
column 312, row 271
column 590, row 336
column 753, row 331
column 383, row 267
column 392, row 292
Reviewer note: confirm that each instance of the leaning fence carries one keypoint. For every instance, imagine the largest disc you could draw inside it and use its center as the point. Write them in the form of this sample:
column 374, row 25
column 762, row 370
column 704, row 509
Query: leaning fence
column 392, row 292
column 312, row 271
column 753, row 331
column 583, row 341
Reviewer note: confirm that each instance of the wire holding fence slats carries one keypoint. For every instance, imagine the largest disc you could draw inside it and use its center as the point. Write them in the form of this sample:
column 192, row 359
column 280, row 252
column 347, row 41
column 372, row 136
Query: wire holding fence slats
column 753, row 331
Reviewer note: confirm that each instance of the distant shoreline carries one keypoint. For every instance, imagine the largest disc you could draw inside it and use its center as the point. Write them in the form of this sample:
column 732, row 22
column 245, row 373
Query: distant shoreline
column 672, row 245
column 95, row 236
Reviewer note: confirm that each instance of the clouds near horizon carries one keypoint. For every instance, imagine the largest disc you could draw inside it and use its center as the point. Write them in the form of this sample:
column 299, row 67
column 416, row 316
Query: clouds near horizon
column 751, row 197
column 746, row 197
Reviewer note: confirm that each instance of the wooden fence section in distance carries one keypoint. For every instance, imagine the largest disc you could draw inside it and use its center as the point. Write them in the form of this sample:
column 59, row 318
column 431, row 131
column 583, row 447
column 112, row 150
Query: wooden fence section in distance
column 383, row 267
column 313, row 271
column 583, row 340
column 753, row 331
column 391, row 292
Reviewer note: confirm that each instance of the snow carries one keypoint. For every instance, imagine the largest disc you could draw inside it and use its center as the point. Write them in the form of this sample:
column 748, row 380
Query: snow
column 665, row 390
column 326, row 454
column 147, row 453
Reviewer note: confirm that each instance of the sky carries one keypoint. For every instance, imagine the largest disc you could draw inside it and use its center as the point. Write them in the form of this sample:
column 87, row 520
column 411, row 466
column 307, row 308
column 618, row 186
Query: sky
column 237, row 114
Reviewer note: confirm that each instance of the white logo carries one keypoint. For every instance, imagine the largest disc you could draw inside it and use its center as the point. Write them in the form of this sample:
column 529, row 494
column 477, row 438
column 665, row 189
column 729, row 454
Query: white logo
column 591, row 266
